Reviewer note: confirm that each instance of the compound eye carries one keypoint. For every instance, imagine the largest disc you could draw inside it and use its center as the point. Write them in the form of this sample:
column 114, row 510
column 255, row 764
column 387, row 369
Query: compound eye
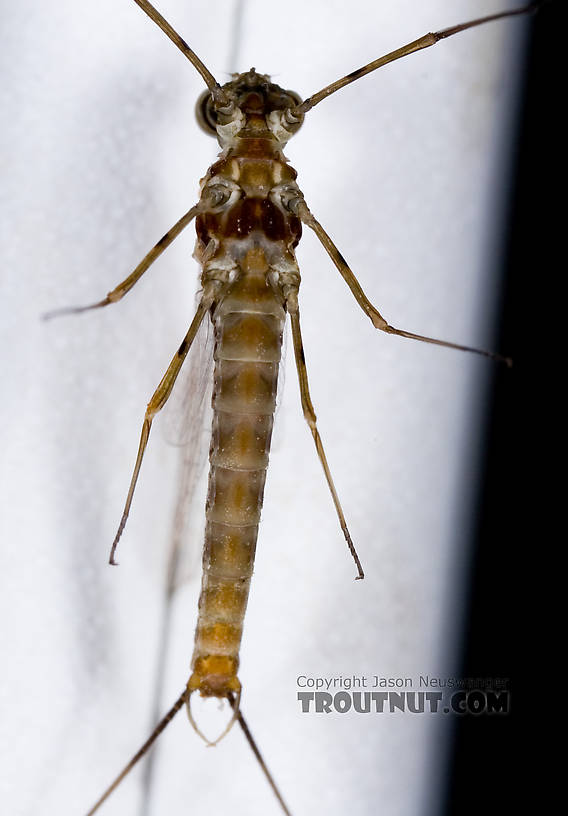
column 206, row 114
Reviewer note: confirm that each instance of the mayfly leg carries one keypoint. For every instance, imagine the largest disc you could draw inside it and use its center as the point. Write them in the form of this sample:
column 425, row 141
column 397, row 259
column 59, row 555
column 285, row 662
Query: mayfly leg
column 157, row 402
column 426, row 41
column 371, row 311
column 164, row 389
column 311, row 419
column 126, row 285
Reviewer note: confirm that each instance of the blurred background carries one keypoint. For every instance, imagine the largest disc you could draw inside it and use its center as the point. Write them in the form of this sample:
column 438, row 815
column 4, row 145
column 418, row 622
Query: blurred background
column 411, row 171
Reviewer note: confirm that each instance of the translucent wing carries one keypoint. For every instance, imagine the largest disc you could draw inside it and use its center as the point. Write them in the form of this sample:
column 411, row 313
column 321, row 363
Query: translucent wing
column 279, row 415
column 184, row 411
column 187, row 424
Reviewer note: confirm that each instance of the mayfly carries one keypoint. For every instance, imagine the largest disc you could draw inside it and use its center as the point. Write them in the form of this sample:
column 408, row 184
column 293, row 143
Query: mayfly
column 292, row 282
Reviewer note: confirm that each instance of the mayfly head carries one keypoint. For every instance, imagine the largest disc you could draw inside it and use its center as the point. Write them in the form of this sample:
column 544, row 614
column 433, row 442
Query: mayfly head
column 258, row 108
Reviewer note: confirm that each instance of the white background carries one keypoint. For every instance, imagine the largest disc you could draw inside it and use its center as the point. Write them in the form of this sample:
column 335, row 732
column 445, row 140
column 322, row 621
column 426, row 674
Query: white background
column 406, row 170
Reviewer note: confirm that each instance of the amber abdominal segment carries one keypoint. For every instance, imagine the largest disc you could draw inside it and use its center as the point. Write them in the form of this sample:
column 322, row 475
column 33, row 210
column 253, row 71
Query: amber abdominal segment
column 248, row 243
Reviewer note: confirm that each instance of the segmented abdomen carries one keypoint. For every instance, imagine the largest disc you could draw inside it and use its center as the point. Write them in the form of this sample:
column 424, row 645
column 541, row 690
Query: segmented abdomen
column 248, row 332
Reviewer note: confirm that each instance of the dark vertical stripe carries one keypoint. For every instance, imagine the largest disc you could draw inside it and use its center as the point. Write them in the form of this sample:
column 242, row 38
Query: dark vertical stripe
column 514, row 545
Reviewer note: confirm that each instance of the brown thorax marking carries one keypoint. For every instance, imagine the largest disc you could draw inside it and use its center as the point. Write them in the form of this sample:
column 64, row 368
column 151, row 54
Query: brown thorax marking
column 245, row 195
